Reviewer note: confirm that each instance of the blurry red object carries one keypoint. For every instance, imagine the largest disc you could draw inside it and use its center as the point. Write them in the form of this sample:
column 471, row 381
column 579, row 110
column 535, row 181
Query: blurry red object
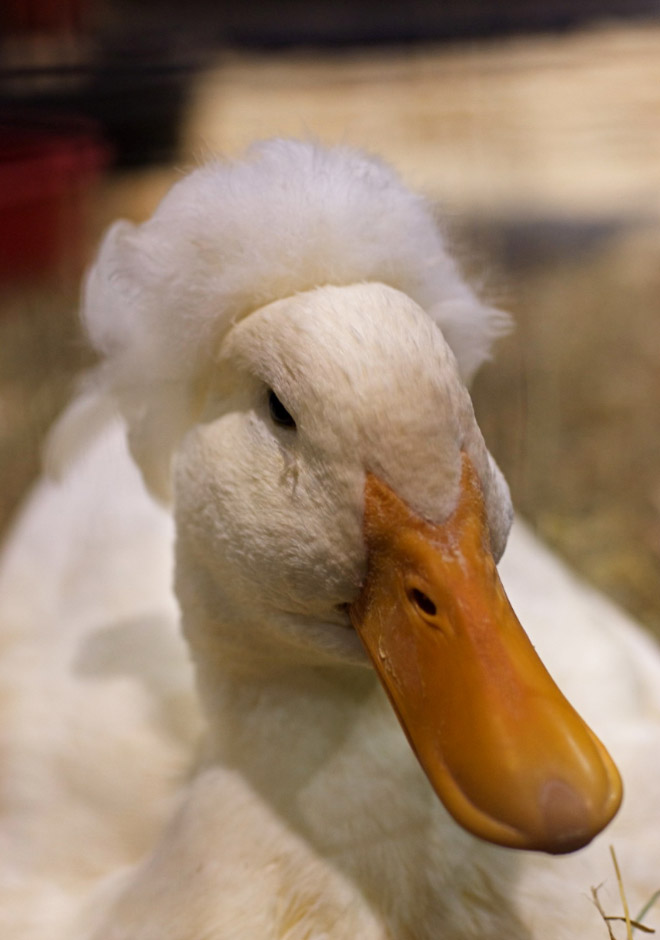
column 29, row 16
column 45, row 179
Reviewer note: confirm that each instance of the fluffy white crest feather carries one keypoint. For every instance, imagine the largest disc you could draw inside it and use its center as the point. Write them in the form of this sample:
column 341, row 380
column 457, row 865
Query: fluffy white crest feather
column 231, row 237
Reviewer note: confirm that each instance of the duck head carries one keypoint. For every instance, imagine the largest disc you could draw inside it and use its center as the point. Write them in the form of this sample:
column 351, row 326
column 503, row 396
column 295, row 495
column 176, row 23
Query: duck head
column 336, row 503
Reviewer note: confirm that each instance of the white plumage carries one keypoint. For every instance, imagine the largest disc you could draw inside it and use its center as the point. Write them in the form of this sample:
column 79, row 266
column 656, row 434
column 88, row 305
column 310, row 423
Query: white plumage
column 232, row 237
column 294, row 808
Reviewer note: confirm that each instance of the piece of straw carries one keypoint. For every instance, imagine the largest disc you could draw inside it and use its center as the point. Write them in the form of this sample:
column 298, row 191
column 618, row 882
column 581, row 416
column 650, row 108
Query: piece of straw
column 624, row 901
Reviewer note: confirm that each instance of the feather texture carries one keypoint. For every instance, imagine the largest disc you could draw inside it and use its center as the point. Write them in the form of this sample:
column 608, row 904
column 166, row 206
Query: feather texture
column 231, row 237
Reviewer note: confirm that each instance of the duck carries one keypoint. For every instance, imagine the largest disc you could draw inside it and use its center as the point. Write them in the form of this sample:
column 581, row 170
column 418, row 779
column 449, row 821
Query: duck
column 262, row 677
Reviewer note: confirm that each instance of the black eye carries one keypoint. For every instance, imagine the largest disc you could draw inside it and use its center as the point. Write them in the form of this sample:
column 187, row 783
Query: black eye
column 278, row 412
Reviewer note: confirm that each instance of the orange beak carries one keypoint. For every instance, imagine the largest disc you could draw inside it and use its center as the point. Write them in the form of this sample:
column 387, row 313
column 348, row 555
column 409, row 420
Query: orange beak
column 509, row 757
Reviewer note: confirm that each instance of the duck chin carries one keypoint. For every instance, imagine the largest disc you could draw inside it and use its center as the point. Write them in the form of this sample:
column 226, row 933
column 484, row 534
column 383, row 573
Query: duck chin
column 322, row 641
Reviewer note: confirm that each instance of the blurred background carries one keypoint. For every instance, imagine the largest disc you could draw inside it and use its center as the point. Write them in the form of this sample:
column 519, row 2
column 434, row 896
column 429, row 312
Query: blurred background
column 534, row 125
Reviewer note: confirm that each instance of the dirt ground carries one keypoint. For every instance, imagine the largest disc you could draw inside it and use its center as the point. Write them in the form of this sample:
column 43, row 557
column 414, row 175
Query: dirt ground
column 543, row 155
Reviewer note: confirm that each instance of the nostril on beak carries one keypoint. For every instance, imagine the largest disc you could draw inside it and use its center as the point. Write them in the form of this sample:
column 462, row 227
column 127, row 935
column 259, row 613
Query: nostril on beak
column 423, row 602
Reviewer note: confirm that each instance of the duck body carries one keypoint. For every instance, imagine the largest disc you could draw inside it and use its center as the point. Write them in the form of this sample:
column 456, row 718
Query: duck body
column 76, row 619
column 304, row 812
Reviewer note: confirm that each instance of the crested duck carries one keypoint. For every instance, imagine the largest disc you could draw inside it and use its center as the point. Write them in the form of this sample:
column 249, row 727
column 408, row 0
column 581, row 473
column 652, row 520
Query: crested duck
column 354, row 737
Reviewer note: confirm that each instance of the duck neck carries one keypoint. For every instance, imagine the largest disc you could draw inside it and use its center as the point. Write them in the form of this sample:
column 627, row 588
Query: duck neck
column 301, row 711
column 261, row 694
column 294, row 734
column 316, row 743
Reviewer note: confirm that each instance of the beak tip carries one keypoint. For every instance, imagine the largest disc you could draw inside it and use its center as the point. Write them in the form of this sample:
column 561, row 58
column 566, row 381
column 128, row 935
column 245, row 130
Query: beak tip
column 570, row 820
column 567, row 817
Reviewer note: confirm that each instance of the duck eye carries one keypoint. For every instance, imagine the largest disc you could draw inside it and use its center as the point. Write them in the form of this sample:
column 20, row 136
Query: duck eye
column 278, row 412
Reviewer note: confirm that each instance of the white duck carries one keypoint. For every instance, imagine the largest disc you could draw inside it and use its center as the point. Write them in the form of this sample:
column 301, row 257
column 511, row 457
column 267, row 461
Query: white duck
column 287, row 340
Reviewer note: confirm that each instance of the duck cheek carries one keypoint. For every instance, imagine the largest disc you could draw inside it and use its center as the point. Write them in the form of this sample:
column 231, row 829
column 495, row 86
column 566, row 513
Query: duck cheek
column 506, row 753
